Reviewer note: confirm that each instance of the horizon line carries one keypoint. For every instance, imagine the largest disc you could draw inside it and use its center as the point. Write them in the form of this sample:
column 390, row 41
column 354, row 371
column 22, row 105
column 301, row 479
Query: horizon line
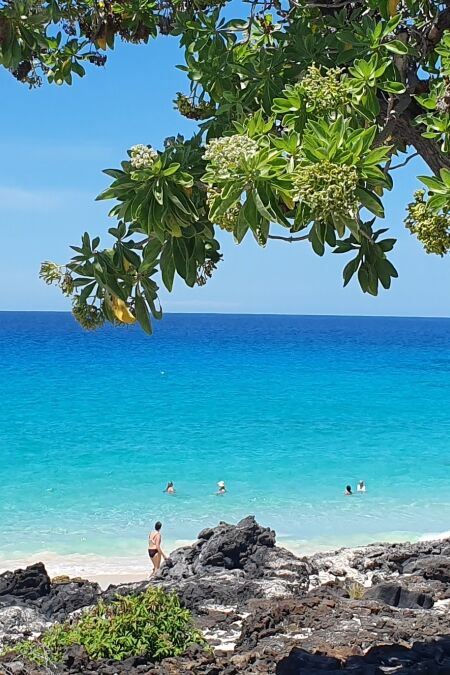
column 281, row 314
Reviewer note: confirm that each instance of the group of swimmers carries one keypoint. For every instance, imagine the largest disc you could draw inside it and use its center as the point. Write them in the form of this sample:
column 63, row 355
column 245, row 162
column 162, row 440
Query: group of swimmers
column 170, row 488
column 361, row 487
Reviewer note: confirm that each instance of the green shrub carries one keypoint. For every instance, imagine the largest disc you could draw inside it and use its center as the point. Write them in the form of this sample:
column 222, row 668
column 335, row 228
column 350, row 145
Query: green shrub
column 150, row 624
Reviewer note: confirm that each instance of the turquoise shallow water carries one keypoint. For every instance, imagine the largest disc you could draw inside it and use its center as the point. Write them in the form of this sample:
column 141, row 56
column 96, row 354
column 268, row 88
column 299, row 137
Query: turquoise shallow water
column 286, row 410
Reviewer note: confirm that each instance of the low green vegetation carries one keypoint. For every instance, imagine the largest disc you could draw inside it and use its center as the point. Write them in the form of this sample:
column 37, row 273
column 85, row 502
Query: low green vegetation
column 151, row 624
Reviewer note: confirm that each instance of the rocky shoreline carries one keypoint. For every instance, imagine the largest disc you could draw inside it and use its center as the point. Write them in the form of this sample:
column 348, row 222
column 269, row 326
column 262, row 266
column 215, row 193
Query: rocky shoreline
column 383, row 608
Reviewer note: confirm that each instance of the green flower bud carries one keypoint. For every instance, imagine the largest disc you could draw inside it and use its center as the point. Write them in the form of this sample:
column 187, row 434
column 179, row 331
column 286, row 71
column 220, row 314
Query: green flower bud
column 50, row 272
column 89, row 317
column 194, row 111
column 327, row 189
column 66, row 284
column 431, row 229
column 229, row 219
column 327, row 92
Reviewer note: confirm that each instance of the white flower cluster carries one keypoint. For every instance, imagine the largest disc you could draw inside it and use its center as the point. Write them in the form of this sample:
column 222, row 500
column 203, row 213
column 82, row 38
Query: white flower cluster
column 226, row 154
column 142, row 156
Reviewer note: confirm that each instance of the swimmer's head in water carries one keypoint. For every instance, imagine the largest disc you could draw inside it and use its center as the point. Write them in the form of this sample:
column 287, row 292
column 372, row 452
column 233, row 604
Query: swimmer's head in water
column 221, row 484
column 158, row 526
column 348, row 488
column 170, row 484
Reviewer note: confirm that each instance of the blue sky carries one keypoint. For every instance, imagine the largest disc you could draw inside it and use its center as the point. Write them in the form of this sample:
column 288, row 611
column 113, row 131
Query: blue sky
column 55, row 142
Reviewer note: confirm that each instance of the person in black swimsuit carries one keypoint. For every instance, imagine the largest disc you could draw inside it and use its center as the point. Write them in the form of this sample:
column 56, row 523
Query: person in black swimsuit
column 155, row 551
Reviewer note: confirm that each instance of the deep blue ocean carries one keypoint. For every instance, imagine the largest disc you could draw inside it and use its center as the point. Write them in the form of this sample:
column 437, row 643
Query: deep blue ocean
column 285, row 409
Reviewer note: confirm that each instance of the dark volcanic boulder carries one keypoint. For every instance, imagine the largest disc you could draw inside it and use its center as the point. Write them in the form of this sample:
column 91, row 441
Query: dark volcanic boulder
column 29, row 584
column 230, row 564
column 429, row 567
column 396, row 596
column 301, row 662
column 31, row 588
column 231, row 546
column 244, row 546
column 30, row 603
column 65, row 598
column 77, row 662
column 225, row 588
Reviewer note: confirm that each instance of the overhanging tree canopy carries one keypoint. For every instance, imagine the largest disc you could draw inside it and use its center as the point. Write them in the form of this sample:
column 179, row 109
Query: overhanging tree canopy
column 305, row 109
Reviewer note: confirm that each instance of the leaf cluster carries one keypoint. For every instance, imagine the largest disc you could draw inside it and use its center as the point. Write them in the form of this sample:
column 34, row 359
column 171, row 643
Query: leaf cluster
column 302, row 108
column 55, row 39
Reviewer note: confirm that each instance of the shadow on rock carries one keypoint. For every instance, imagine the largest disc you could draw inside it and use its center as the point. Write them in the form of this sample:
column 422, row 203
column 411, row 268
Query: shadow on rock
column 424, row 658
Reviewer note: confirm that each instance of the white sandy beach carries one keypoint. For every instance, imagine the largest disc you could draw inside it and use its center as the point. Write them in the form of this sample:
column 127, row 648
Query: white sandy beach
column 102, row 569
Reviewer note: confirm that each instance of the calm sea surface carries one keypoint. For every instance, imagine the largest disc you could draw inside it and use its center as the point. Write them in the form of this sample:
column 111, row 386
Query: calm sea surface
column 287, row 410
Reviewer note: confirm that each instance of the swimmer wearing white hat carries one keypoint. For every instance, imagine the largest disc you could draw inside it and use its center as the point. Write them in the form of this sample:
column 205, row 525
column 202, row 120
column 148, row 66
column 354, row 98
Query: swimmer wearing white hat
column 361, row 486
column 222, row 489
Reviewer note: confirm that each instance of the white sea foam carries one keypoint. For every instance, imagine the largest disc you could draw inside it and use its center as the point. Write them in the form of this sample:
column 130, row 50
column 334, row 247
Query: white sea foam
column 436, row 536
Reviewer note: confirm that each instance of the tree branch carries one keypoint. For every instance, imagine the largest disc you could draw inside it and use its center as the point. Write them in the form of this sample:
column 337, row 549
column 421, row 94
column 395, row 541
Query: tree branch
column 391, row 116
column 140, row 245
column 441, row 24
column 408, row 159
column 406, row 131
column 326, row 5
column 400, row 127
column 323, row 5
column 289, row 239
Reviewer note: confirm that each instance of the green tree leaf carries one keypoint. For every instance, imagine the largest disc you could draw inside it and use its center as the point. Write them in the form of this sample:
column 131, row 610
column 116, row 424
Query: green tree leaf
column 370, row 201
column 142, row 314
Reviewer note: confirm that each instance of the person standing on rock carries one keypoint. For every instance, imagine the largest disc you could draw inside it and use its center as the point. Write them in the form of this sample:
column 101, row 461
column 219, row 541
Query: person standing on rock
column 155, row 551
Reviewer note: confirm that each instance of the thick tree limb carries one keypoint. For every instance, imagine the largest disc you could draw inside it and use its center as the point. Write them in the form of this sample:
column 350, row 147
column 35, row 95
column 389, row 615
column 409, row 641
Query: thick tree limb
column 404, row 130
column 400, row 127
column 438, row 28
